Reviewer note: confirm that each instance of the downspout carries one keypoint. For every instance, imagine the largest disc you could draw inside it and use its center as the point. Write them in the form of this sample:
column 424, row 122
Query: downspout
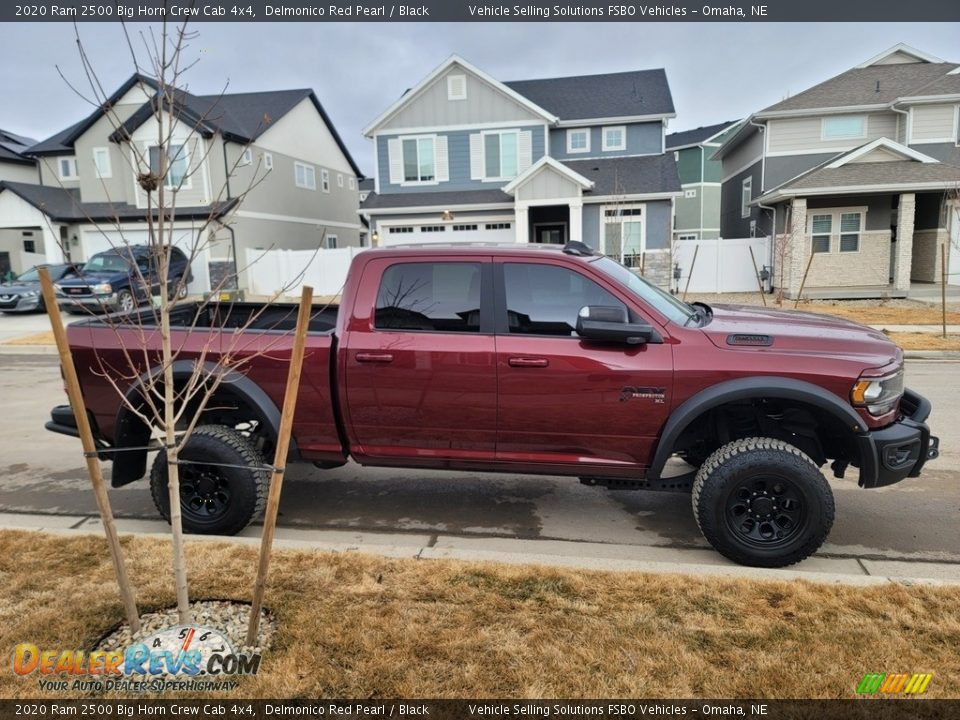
column 762, row 127
column 773, row 242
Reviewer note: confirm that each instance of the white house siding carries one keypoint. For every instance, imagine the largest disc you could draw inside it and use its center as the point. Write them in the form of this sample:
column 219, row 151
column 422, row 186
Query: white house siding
column 198, row 192
column 933, row 123
column 15, row 172
column 117, row 188
column 548, row 185
column 797, row 135
column 483, row 104
column 302, row 134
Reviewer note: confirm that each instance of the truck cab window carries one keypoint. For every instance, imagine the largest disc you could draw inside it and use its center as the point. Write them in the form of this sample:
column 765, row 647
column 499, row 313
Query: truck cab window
column 438, row 297
column 545, row 299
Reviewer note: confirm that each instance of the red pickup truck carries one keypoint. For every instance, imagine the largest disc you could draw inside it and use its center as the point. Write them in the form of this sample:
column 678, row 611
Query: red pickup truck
column 533, row 359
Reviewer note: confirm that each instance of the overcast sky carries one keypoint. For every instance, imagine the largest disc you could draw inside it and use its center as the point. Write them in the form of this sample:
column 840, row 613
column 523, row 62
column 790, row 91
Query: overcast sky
column 716, row 71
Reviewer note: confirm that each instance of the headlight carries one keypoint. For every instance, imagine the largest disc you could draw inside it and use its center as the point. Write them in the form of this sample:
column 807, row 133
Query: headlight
column 879, row 395
column 102, row 289
column 31, row 293
column 57, row 289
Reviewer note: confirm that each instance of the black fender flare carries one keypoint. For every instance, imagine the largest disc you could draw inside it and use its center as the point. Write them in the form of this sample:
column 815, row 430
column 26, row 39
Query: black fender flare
column 744, row 389
column 130, row 431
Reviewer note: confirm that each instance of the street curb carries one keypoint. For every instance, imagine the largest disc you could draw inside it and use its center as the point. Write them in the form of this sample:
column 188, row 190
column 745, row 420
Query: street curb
column 27, row 349
column 697, row 562
column 931, row 354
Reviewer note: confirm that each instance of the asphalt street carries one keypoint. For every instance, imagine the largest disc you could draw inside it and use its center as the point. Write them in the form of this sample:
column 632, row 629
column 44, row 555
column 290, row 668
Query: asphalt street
column 917, row 520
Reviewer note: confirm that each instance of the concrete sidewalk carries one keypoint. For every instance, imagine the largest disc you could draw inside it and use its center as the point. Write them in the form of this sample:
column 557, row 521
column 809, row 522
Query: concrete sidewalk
column 586, row 555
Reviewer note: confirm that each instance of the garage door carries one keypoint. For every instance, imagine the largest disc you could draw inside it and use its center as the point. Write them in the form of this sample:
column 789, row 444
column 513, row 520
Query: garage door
column 95, row 241
column 489, row 231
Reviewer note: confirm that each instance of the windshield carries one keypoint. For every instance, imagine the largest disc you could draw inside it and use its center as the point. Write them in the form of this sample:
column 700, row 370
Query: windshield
column 664, row 302
column 30, row 275
column 107, row 261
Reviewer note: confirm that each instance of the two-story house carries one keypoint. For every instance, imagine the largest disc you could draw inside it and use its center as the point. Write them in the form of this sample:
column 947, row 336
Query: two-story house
column 697, row 211
column 257, row 170
column 464, row 157
column 857, row 177
column 16, row 244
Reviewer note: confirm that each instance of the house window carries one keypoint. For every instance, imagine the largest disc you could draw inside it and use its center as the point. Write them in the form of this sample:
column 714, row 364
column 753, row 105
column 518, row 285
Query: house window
column 425, row 297
column 624, row 237
column 400, row 229
column 30, row 246
column 352, row 182
column 325, row 180
column 843, row 127
column 615, row 138
column 331, row 242
column 268, row 161
column 820, row 228
column 305, row 175
column 67, row 167
column 850, row 232
column 339, row 179
column 691, row 193
column 746, row 195
column 247, row 157
column 578, row 141
column 456, row 87
column 418, row 159
column 176, row 165
column 101, row 162
column 500, row 155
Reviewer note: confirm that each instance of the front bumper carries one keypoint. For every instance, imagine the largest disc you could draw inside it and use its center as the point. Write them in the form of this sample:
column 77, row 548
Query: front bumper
column 20, row 303
column 900, row 450
column 89, row 302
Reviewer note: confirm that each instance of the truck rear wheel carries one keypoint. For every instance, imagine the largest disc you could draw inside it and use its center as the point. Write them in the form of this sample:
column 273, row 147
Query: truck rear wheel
column 762, row 502
column 221, row 498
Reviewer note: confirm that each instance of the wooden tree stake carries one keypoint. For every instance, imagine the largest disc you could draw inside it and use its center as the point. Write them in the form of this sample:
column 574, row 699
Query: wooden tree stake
column 280, row 460
column 693, row 263
column 803, row 283
column 89, row 449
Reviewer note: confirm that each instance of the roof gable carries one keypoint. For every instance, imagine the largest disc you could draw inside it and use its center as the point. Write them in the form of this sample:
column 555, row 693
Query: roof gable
column 700, row 135
column 900, row 54
column 547, row 164
column 453, row 63
column 880, row 150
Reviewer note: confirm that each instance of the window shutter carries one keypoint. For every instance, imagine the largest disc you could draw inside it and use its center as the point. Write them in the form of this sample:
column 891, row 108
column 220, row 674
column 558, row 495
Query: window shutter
column 476, row 156
column 395, row 153
column 524, row 151
column 443, row 164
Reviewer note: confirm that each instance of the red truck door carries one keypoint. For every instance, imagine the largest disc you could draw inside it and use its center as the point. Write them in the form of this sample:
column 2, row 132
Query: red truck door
column 420, row 369
column 564, row 400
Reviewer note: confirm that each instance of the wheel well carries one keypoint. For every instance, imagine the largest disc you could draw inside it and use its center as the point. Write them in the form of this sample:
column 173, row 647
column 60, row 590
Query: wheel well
column 815, row 431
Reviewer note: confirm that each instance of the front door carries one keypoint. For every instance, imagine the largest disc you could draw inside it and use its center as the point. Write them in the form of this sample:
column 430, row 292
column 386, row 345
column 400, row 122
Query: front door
column 421, row 372
column 568, row 401
column 552, row 234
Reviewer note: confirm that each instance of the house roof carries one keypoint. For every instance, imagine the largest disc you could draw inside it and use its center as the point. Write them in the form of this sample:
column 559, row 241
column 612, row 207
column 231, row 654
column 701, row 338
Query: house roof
column 63, row 205
column 241, row 117
column 366, row 185
column 648, row 175
column 493, row 196
column 873, row 85
column 696, row 136
column 614, row 95
column 13, row 147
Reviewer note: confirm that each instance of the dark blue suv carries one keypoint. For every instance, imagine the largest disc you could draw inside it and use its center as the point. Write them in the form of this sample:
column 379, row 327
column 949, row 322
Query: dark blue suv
column 110, row 280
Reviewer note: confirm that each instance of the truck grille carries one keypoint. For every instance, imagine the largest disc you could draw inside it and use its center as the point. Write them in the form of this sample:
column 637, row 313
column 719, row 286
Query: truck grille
column 76, row 291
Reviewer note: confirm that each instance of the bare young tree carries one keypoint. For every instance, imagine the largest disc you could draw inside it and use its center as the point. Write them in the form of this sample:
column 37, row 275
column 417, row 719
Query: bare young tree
column 168, row 362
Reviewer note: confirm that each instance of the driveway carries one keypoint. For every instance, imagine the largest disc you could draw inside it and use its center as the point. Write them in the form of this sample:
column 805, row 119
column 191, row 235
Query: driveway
column 44, row 473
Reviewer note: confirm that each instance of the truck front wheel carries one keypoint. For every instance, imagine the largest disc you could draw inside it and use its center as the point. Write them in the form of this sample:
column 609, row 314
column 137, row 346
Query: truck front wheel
column 219, row 498
column 762, row 502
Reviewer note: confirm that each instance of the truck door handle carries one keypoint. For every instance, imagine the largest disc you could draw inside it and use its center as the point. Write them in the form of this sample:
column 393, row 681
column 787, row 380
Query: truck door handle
column 528, row 362
column 372, row 357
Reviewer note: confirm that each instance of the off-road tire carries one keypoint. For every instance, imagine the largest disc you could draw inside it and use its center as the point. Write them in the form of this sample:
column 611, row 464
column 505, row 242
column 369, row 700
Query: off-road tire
column 240, row 494
column 739, row 468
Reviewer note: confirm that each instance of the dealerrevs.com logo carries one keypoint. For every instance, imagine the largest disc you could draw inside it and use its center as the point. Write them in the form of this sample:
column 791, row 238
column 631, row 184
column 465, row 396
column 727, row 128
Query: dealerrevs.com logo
column 894, row 683
column 184, row 657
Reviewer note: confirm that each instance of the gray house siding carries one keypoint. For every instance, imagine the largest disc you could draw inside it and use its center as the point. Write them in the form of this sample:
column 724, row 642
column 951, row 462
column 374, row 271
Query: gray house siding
column 642, row 139
column 591, row 226
column 732, row 225
column 944, row 152
column 458, row 152
column 782, row 168
column 658, row 224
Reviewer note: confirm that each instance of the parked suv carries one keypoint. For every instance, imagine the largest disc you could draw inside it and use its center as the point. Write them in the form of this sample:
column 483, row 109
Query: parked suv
column 23, row 294
column 111, row 280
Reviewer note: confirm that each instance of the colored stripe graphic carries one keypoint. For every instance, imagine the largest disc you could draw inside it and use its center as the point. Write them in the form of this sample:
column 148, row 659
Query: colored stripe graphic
column 893, row 683
column 870, row 683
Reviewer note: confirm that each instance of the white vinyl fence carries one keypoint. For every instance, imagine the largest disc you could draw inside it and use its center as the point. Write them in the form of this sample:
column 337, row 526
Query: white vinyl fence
column 723, row 264
column 287, row 271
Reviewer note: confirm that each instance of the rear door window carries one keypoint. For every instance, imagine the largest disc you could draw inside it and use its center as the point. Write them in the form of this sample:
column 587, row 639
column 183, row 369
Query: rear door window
column 430, row 296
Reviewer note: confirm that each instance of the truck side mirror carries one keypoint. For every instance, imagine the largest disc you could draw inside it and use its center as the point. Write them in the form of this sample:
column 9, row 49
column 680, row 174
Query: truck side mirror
column 609, row 323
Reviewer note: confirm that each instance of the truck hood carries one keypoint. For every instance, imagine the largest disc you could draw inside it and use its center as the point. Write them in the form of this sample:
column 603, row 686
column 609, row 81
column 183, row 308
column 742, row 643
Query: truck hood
column 800, row 332
column 94, row 277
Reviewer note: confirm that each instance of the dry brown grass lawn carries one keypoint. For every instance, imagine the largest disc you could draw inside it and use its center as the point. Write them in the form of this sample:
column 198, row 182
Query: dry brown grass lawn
column 357, row 626
column 41, row 338
column 925, row 341
column 880, row 314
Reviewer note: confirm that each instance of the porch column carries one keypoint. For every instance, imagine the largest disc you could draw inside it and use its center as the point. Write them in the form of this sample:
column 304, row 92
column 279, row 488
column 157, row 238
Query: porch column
column 797, row 251
column 576, row 221
column 522, row 224
column 904, row 248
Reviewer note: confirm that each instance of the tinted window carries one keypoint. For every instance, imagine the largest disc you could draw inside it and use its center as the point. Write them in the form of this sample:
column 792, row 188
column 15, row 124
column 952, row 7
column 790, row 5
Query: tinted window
column 443, row 297
column 545, row 299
